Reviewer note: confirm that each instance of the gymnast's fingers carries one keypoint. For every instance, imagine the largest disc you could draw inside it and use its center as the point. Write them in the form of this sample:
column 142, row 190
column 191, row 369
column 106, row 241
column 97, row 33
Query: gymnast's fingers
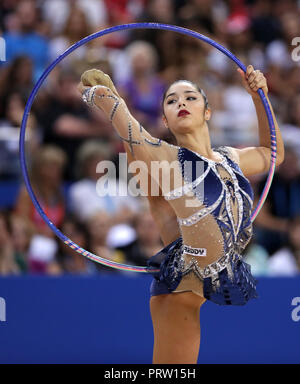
column 92, row 77
column 254, row 76
column 249, row 70
column 81, row 88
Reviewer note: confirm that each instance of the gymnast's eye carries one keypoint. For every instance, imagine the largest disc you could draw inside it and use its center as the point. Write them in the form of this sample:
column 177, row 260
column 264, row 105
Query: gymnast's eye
column 191, row 98
column 171, row 101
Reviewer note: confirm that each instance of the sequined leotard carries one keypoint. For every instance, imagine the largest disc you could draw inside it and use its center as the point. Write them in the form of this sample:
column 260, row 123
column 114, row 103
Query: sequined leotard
column 213, row 211
column 226, row 201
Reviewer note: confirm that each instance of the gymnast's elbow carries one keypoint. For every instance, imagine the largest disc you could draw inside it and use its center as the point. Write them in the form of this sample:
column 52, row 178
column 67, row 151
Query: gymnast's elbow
column 279, row 157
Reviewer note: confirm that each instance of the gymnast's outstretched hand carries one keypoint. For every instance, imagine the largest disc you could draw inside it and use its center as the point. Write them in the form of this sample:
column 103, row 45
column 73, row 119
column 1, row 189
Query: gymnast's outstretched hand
column 94, row 77
column 252, row 80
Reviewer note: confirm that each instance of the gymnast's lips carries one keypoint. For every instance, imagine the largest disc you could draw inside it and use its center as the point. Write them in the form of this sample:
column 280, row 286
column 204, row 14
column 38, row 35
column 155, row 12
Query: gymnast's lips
column 183, row 112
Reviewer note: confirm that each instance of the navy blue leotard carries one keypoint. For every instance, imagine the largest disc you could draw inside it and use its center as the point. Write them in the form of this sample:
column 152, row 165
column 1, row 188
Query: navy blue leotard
column 228, row 200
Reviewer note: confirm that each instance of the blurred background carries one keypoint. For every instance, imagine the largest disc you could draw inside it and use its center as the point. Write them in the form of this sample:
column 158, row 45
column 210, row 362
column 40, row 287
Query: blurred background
column 65, row 139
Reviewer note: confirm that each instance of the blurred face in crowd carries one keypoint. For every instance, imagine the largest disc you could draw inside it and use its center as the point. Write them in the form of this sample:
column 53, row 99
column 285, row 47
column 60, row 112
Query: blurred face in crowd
column 146, row 229
column 71, row 231
column 91, row 167
column 77, row 26
column 27, row 14
column 289, row 169
column 67, row 91
column 21, row 233
column 51, row 172
column 290, row 25
column 295, row 235
column 162, row 10
column 4, row 233
column 99, row 226
column 22, row 70
column 15, row 105
column 142, row 60
column 295, row 112
column 184, row 96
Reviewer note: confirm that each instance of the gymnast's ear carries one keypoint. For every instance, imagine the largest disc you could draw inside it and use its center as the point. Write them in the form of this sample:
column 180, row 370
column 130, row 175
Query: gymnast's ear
column 207, row 114
column 165, row 121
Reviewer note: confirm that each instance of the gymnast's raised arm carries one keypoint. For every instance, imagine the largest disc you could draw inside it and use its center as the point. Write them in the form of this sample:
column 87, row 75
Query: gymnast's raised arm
column 98, row 89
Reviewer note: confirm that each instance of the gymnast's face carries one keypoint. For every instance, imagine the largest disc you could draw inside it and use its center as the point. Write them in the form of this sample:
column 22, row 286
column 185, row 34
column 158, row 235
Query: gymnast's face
column 184, row 108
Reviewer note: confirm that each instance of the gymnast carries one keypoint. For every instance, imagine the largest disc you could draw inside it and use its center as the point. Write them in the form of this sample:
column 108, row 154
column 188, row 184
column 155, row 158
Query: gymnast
column 204, row 219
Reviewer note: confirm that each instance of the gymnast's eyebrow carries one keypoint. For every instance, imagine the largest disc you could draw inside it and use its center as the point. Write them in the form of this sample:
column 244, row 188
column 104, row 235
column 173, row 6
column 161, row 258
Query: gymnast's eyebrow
column 174, row 93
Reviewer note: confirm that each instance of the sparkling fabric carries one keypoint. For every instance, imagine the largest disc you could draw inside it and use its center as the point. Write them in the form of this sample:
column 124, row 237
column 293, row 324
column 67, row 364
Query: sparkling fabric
column 224, row 215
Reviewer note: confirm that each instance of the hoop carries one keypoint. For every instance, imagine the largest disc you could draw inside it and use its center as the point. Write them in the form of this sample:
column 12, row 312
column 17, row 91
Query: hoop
column 29, row 103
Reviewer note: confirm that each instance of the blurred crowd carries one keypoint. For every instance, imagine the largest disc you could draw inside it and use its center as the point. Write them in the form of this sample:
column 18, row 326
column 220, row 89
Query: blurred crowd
column 65, row 140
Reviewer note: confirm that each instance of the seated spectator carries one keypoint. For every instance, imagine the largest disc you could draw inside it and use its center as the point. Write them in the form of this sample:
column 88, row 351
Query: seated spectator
column 291, row 130
column 282, row 205
column 41, row 256
column 147, row 242
column 17, row 77
column 98, row 227
column 26, row 41
column 8, row 265
column 257, row 257
column 76, row 28
column 9, row 136
column 286, row 261
column 144, row 89
column 84, row 199
column 69, row 260
column 58, row 11
column 22, row 232
column 279, row 52
column 235, row 121
column 46, row 174
column 66, row 120
column 165, row 42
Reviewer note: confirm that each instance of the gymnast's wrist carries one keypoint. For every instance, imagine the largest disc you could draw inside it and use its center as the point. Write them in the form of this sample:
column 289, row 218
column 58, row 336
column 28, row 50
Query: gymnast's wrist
column 256, row 96
column 88, row 95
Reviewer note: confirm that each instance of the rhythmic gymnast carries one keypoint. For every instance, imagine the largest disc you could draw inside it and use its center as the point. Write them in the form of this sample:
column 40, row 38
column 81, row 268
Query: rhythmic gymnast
column 205, row 219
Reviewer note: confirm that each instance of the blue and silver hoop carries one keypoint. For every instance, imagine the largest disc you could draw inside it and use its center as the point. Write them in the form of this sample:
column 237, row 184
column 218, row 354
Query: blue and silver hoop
column 117, row 28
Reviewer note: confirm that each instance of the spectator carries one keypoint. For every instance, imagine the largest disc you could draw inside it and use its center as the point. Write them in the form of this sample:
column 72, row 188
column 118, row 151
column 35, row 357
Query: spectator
column 144, row 89
column 9, row 136
column 258, row 258
column 281, row 206
column 65, row 119
column 17, row 78
column 69, row 260
column 76, row 28
column 165, row 42
column 26, row 40
column 46, row 177
column 41, row 256
column 279, row 52
column 235, row 121
column 84, row 199
column 8, row 265
column 147, row 242
column 264, row 25
column 98, row 227
column 22, row 232
column 291, row 130
column 286, row 261
column 58, row 11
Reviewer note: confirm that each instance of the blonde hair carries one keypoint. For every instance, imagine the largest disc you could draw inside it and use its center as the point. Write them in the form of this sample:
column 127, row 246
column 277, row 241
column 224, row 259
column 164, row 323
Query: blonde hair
column 142, row 46
column 44, row 155
column 89, row 150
